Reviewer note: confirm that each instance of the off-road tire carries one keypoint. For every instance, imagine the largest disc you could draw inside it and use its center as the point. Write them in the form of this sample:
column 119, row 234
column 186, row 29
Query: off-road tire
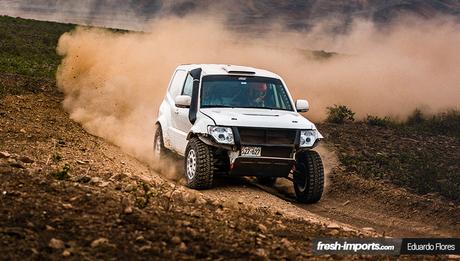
column 266, row 181
column 204, row 167
column 308, row 177
column 158, row 143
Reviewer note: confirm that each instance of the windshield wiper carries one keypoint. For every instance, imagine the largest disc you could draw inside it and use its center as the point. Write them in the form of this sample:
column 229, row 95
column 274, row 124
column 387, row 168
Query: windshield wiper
column 267, row 108
column 217, row 106
column 243, row 107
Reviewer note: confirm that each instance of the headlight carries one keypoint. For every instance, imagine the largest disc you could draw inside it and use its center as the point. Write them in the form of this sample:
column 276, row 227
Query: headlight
column 222, row 135
column 307, row 138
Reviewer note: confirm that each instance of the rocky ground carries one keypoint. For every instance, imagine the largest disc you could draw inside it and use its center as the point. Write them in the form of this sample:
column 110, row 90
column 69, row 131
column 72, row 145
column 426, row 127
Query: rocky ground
column 66, row 193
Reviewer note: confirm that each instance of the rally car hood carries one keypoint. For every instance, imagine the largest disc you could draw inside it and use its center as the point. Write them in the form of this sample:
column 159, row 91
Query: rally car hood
column 263, row 118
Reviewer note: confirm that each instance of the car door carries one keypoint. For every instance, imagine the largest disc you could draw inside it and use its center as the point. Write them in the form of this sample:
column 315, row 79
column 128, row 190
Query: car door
column 181, row 119
column 175, row 88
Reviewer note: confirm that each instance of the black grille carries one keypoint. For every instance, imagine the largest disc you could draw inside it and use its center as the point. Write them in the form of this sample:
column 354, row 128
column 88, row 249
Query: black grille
column 267, row 136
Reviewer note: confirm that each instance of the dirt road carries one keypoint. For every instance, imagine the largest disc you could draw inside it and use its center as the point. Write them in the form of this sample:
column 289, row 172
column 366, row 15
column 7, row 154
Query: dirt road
column 349, row 201
column 382, row 213
column 365, row 206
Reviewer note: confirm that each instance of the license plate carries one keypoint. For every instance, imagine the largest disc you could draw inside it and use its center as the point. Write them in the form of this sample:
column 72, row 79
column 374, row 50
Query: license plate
column 251, row 151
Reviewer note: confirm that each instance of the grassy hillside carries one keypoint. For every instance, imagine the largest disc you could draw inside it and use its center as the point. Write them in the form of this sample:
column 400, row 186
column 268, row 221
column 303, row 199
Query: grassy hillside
column 28, row 47
column 28, row 58
column 420, row 153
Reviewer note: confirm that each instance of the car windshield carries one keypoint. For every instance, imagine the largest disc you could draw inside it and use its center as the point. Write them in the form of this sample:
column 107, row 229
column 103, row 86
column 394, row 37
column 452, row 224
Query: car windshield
column 244, row 92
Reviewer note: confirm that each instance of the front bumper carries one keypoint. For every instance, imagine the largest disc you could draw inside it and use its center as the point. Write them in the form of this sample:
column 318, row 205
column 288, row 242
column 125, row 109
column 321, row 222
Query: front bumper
column 277, row 155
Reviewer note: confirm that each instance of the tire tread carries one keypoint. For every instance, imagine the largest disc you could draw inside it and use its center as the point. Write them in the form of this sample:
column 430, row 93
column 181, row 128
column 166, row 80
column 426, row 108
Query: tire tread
column 315, row 178
column 205, row 165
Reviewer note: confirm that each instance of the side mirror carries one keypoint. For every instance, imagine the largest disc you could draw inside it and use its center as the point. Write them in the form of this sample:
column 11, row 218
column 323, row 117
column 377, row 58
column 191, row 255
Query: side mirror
column 183, row 101
column 302, row 105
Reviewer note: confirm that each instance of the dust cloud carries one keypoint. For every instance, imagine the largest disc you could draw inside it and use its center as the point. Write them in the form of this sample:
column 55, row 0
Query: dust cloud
column 114, row 82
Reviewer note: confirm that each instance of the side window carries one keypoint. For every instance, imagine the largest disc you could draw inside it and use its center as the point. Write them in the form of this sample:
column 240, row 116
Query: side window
column 188, row 87
column 177, row 83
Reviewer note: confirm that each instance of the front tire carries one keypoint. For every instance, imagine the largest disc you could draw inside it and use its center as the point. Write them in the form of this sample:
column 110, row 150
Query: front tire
column 308, row 177
column 198, row 164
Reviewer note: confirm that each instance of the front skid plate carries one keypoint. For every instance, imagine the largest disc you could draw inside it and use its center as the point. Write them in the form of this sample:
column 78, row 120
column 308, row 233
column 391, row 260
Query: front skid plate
column 262, row 166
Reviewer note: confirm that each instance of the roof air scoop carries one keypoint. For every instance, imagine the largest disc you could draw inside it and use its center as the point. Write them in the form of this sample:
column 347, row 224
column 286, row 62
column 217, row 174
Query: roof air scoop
column 237, row 70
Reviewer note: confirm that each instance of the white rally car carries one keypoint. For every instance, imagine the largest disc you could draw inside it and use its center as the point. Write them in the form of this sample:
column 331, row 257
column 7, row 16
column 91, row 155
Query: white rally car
column 238, row 121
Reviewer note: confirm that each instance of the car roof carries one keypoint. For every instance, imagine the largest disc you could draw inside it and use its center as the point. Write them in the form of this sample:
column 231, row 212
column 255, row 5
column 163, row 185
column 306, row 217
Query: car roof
column 228, row 69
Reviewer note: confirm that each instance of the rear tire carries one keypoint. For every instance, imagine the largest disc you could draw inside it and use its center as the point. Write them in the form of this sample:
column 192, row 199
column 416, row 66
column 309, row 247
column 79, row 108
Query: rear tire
column 266, row 181
column 308, row 177
column 159, row 150
column 198, row 164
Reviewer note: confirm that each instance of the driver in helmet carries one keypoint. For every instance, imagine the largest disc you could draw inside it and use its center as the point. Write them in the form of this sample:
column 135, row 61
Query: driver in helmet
column 256, row 94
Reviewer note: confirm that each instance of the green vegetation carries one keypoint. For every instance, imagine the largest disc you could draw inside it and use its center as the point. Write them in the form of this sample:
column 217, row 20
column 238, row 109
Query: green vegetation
column 339, row 114
column 415, row 118
column 28, row 58
column 62, row 174
column 28, row 47
column 423, row 171
column 445, row 123
column 420, row 153
column 378, row 121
